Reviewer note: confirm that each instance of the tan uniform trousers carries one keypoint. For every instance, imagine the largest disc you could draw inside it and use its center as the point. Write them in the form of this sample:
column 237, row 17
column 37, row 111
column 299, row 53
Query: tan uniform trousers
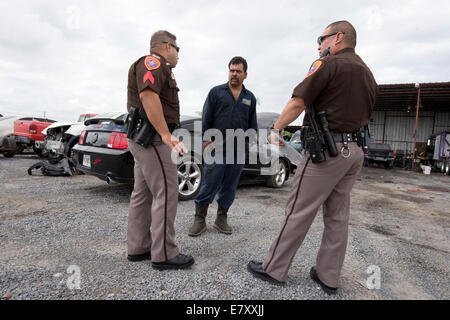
column 153, row 202
column 328, row 184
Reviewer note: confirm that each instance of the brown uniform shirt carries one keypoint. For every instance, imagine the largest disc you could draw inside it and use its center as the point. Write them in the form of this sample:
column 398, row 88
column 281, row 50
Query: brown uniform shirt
column 344, row 87
column 155, row 73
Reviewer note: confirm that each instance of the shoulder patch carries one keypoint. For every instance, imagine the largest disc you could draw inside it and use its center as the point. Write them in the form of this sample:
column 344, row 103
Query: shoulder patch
column 152, row 63
column 315, row 66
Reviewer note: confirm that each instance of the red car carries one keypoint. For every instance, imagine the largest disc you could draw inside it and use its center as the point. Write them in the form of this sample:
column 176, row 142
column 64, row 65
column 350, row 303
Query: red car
column 29, row 130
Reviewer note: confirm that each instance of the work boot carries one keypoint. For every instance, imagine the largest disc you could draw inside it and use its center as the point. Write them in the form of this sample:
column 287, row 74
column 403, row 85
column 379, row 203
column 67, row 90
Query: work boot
column 199, row 226
column 181, row 261
column 221, row 221
column 315, row 277
column 140, row 257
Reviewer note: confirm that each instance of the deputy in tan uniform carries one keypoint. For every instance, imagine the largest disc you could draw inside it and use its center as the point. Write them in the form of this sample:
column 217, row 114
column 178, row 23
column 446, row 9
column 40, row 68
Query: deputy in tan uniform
column 342, row 85
column 153, row 203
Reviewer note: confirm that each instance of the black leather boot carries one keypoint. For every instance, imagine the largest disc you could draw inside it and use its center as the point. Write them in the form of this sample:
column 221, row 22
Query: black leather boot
column 181, row 261
column 199, row 226
column 221, row 221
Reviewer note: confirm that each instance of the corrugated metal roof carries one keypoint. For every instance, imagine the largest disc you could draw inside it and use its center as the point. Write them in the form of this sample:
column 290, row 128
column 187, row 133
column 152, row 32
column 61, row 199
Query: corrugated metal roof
column 433, row 96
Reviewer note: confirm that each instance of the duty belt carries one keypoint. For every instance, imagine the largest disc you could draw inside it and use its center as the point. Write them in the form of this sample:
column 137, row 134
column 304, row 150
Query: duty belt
column 344, row 137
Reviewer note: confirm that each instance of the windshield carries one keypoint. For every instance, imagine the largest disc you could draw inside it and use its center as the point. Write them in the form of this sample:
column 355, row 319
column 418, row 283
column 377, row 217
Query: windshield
column 112, row 115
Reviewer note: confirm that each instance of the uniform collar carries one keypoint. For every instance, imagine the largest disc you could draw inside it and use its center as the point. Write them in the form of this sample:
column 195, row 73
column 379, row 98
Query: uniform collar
column 160, row 57
column 352, row 50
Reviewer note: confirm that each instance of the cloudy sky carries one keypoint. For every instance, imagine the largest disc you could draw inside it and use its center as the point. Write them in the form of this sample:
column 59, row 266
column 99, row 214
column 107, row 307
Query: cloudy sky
column 69, row 57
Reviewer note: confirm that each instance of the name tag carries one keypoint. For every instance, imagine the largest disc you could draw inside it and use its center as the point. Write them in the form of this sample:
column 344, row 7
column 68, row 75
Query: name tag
column 247, row 102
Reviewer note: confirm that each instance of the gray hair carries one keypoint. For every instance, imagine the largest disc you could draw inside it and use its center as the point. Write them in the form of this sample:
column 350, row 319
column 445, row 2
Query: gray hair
column 160, row 37
column 347, row 28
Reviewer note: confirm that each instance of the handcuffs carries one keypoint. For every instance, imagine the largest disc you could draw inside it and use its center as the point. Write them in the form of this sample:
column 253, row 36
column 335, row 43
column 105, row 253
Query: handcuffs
column 345, row 148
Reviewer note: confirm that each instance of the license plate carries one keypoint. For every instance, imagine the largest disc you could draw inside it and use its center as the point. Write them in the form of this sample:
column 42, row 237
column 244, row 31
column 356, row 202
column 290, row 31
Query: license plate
column 87, row 160
column 379, row 158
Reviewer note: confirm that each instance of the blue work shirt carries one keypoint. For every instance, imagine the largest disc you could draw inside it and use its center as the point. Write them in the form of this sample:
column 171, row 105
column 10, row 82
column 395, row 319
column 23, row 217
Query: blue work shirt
column 221, row 111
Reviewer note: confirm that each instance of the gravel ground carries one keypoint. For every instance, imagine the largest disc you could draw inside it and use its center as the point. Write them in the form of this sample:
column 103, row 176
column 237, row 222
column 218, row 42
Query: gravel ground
column 48, row 224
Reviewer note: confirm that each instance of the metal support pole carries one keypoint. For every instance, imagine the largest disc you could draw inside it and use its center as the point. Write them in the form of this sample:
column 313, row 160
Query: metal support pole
column 415, row 129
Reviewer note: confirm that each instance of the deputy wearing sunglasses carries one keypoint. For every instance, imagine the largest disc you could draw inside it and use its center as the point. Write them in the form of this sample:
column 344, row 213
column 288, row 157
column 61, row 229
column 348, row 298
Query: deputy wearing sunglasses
column 340, row 84
column 152, row 88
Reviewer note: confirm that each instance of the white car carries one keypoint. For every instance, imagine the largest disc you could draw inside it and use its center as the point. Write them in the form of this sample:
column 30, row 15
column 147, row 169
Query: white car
column 60, row 137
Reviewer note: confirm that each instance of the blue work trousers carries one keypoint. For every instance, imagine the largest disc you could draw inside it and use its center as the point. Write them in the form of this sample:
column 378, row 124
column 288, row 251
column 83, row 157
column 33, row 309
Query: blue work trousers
column 222, row 178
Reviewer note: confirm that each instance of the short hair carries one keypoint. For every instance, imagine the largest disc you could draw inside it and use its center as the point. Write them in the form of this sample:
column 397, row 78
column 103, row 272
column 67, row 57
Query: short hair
column 347, row 28
column 238, row 60
column 160, row 37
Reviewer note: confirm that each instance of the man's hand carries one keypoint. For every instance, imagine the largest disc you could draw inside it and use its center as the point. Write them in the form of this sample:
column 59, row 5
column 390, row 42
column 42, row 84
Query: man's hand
column 275, row 138
column 174, row 144
column 206, row 143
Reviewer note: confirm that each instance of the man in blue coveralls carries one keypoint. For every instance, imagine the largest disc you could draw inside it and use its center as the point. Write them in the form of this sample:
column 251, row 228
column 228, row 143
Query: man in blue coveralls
column 228, row 106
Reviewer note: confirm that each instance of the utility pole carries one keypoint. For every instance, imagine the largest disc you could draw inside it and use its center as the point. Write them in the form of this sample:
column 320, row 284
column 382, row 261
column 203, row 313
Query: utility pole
column 417, row 86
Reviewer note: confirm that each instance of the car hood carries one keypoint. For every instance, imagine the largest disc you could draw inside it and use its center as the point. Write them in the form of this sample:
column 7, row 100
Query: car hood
column 74, row 127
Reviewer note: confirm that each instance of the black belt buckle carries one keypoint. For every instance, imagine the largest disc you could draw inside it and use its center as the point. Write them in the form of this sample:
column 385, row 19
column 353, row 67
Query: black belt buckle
column 344, row 137
column 348, row 137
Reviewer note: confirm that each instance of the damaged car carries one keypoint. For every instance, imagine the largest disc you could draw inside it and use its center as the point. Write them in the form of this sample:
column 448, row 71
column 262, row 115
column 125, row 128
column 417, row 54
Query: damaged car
column 61, row 137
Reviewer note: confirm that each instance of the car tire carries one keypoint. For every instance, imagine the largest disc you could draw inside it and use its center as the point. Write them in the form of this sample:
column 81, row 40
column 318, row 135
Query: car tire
column 190, row 177
column 69, row 154
column 278, row 179
column 9, row 154
column 53, row 159
column 447, row 168
column 38, row 152
column 72, row 142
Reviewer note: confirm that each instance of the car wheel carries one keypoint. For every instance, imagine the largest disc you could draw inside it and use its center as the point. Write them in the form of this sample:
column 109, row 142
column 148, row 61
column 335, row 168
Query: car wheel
column 443, row 167
column 53, row 158
column 447, row 168
column 190, row 175
column 277, row 180
column 38, row 151
column 71, row 156
column 69, row 146
column 9, row 154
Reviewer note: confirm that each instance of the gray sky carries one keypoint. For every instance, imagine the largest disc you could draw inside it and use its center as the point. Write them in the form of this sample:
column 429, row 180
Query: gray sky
column 70, row 57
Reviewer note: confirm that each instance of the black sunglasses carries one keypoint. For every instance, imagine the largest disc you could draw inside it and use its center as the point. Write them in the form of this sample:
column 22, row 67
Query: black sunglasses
column 174, row 46
column 321, row 38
